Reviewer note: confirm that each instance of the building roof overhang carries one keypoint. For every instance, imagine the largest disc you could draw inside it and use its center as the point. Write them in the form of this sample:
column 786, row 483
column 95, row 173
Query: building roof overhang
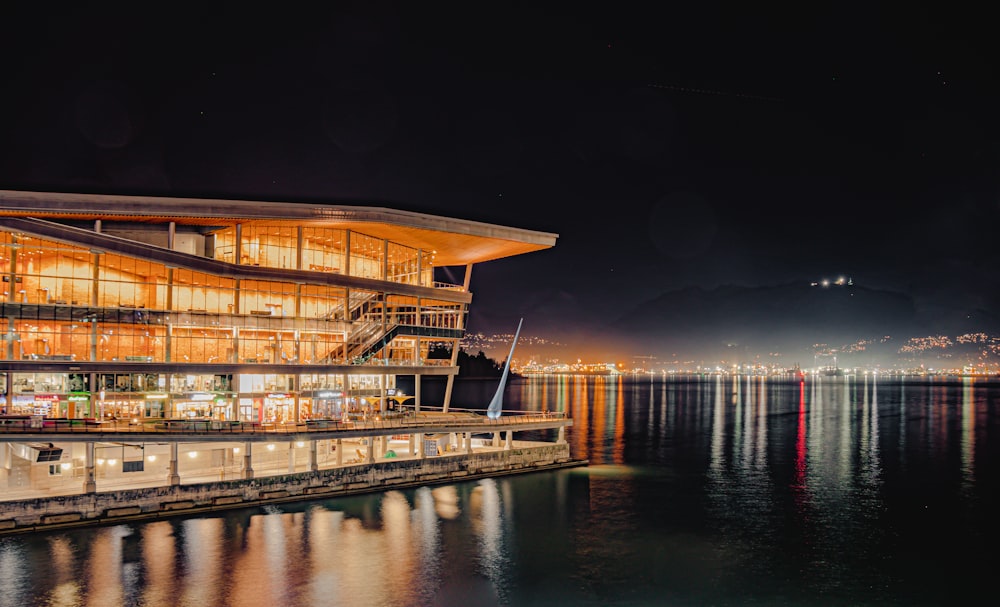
column 453, row 241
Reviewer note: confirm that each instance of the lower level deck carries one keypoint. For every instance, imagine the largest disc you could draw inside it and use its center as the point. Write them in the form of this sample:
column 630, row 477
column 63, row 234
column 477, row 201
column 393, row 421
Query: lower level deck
column 134, row 474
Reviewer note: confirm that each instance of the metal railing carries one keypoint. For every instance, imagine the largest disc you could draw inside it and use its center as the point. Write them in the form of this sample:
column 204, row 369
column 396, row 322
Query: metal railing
column 407, row 420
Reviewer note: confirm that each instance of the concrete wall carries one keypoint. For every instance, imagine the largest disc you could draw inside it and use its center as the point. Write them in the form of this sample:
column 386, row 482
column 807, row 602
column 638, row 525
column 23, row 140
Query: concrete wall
column 155, row 502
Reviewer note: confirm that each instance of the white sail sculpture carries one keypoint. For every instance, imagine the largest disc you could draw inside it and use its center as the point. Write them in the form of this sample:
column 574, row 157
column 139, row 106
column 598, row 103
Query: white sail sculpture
column 493, row 411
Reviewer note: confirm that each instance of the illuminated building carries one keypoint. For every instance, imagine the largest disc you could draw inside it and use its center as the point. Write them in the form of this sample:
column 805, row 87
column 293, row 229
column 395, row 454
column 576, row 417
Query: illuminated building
column 157, row 308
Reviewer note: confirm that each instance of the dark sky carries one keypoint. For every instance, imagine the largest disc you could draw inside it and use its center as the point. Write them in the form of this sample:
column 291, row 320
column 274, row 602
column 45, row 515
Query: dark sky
column 691, row 145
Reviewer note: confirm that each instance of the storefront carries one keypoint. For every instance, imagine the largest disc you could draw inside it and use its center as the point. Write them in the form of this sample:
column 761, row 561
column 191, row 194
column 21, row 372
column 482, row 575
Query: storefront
column 120, row 405
column 279, row 407
column 321, row 404
column 191, row 405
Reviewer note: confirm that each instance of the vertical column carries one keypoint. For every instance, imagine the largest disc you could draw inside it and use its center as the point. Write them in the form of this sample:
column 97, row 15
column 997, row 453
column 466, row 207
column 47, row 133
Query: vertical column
column 12, row 277
column 9, row 385
column 509, row 442
column 299, row 240
column 173, row 478
column 496, row 439
column 339, row 447
column 420, row 269
column 313, row 460
column 11, row 333
column 468, row 442
column 385, row 259
column 238, row 249
column 410, row 445
column 95, row 277
column 247, row 465
column 416, row 393
column 171, row 234
column 455, row 344
column 291, row 457
column 234, row 401
column 93, row 340
column 347, row 268
column 168, row 347
column 420, row 446
column 451, row 378
column 89, row 478
column 170, row 289
column 383, row 380
column 562, row 435
column 371, row 450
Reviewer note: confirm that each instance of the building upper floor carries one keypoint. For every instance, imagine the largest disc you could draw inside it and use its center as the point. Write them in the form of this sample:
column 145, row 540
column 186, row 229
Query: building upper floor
column 140, row 279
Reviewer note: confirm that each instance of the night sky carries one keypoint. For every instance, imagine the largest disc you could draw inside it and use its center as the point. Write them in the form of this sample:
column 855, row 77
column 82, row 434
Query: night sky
column 688, row 157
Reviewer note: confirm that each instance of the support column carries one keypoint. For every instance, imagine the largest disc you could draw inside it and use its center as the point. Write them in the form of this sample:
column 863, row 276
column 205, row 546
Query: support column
column 382, row 381
column 339, row 446
column 11, row 332
column 451, row 379
column 93, row 348
column 238, row 249
column 496, row 439
column 347, row 271
column 370, row 457
column 313, row 460
column 291, row 457
column 420, row 446
column 9, row 384
column 509, row 443
column 411, row 446
column 89, row 474
column 173, row 478
column 468, row 442
column 247, row 465
column 299, row 242
column 416, row 393
column 455, row 345
column 562, row 435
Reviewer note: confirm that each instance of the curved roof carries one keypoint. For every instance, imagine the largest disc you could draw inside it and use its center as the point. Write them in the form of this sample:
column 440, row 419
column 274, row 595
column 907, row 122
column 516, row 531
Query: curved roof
column 455, row 241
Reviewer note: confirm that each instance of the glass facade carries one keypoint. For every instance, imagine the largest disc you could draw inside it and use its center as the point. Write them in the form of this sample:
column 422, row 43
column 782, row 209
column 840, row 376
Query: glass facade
column 68, row 304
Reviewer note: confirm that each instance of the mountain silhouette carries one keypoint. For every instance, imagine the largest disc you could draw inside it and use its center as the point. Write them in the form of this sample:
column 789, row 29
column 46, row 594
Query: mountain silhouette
column 793, row 319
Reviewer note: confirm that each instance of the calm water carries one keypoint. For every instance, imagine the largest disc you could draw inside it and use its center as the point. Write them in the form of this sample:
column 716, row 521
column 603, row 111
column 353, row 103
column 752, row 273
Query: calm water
column 699, row 492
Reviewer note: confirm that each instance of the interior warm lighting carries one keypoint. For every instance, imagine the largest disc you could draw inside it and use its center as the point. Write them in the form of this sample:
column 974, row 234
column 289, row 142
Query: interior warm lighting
column 270, row 447
column 300, row 444
column 100, row 461
column 236, row 450
column 192, row 454
column 112, row 462
column 151, row 458
column 66, row 465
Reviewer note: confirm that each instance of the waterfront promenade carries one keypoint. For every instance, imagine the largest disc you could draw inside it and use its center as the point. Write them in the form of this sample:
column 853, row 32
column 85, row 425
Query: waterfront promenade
column 126, row 458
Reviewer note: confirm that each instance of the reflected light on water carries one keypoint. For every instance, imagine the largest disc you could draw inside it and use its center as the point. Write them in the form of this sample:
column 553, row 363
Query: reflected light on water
column 484, row 506
column 446, row 501
column 708, row 490
column 66, row 592
column 325, row 556
column 968, row 440
column 158, row 558
column 398, row 551
column 202, row 550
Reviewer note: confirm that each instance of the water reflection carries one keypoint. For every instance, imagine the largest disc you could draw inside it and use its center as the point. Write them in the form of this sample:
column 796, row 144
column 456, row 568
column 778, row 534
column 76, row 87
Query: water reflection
column 722, row 490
